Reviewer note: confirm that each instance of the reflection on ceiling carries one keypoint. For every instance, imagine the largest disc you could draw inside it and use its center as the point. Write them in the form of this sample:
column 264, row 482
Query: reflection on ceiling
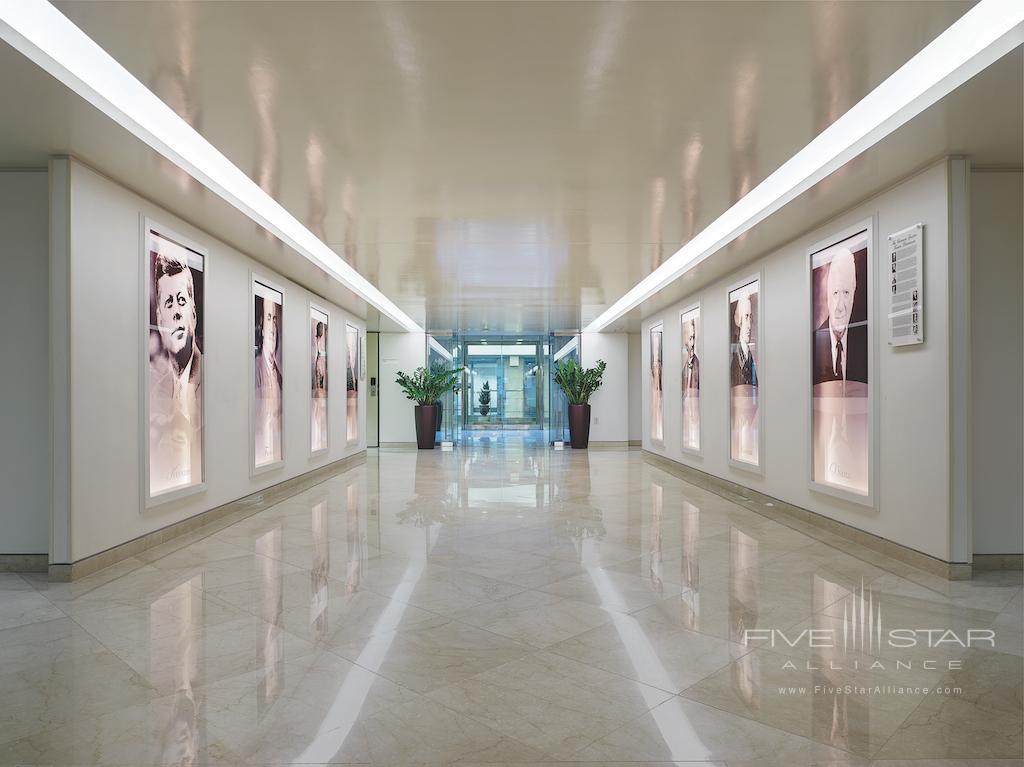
column 506, row 166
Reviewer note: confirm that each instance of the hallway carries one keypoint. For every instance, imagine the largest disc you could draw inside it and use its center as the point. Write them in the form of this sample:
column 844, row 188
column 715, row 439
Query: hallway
column 501, row 604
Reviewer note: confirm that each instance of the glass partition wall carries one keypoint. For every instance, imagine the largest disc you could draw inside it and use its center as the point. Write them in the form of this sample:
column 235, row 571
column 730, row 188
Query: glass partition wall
column 443, row 350
column 506, row 386
column 563, row 347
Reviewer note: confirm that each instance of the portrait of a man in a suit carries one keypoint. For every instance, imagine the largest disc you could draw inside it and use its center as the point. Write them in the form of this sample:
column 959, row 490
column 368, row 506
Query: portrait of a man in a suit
column 175, row 373
column 743, row 364
column 269, row 380
column 690, row 327
column 691, row 363
column 841, row 340
column 840, row 425
column 318, row 391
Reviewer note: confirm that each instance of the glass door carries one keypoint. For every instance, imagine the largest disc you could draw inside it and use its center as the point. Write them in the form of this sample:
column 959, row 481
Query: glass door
column 562, row 348
column 503, row 383
column 443, row 351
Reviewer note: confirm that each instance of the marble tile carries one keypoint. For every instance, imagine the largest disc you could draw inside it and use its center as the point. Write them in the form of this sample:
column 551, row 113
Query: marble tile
column 685, row 730
column 423, row 732
column 550, row 702
column 535, row 617
column 448, row 591
column 549, row 571
column 426, row 658
column 13, row 582
column 660, row 656
column 976, row 714
column 303, row 710
column 321, row 609
column 948, row 762
column 501, row 605
column 986, row 592
column 54, row 672
column 829, row 704
column 19, row 606
column 613, row 591
column 728, row 607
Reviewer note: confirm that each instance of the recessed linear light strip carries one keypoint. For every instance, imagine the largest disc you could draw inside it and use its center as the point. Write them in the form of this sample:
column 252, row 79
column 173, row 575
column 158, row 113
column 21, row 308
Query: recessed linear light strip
column 980, row 37
column 39, row 31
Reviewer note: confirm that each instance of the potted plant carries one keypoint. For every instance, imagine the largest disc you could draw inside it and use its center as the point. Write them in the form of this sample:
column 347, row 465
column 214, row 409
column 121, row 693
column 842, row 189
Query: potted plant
column 425, row 388
column 579, row 384
column 485, row 398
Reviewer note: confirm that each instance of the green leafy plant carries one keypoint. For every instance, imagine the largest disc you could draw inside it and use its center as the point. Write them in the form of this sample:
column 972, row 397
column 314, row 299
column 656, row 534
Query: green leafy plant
column 578, row 383
column 425, row 387
column 485, row 398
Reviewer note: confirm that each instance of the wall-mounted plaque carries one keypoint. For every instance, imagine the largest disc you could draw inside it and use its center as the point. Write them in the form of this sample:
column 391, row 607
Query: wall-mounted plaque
column 906, row 286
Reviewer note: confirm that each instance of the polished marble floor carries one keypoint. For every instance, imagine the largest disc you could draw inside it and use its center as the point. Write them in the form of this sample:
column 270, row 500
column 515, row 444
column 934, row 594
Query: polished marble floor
column 513, row 604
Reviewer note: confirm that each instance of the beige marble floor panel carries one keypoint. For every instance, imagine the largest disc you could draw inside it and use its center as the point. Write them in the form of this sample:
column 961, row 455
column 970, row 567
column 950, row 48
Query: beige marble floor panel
column 505, row 604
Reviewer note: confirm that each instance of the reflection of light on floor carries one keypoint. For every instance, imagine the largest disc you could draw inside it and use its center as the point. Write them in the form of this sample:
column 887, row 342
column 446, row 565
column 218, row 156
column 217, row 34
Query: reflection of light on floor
column 508, row 438
column 520, row 495
column 676, row 731
column 344, row 711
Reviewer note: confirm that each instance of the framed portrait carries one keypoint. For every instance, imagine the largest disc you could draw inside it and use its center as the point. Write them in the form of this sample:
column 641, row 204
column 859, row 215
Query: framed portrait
column 352, row 348
column 691, row 348
column 319, row 436
column 656, row 336
column 746, row 370
column 174, row 290
column 267, row 376
column 841, row 352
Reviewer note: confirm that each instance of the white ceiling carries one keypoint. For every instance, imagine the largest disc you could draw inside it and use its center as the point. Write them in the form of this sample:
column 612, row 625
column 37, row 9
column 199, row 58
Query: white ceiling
column 508, row 166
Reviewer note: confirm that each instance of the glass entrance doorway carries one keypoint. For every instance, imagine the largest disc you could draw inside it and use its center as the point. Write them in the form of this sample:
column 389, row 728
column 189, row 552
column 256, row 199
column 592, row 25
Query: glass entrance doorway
column 503, row 383
column 506, row 389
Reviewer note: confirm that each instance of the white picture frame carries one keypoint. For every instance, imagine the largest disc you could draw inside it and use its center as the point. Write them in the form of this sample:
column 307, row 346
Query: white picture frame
column 352, row 435
column 759, row 359
column 656, row 414
column 869, row 499
column 312, row 307
column 148, row 501
column 261, row 278
column 684, row 316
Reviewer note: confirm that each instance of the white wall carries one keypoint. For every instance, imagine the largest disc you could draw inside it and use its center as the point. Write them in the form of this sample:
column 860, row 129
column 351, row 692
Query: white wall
column 635, row 406
column 25, row 349
column 609, row 415
column 105, row 271
column 372, row 398
column 405, row 352
column 997, row 361
column 911, row 385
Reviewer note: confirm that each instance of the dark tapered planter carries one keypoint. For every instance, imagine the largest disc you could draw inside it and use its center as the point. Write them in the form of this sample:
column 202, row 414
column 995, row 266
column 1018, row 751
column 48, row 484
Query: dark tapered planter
column 426, row 418
column 579, row 426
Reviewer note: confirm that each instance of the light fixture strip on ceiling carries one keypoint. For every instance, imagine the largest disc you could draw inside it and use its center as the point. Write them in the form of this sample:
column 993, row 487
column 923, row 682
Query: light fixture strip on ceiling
column 980, row 37
column 39, row 31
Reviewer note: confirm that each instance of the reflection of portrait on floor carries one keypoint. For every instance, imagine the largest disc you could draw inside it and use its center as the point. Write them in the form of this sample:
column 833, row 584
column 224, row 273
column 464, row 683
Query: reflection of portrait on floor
column 175, row 370
column 268, row 381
